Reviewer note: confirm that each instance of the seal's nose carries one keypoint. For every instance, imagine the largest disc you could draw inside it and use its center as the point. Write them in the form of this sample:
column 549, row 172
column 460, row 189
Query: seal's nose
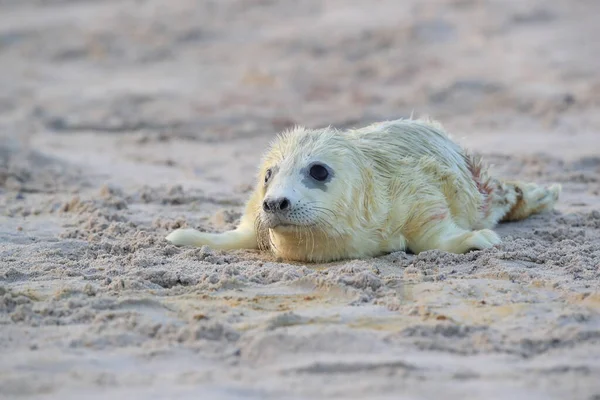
column 276, row 205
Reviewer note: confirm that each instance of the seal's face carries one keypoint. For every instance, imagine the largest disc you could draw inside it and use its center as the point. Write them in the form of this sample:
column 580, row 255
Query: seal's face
column 296, row 194
column 307, row 178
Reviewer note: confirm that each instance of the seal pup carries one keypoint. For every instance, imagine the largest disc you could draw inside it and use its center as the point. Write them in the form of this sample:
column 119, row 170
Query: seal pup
column 325, row 195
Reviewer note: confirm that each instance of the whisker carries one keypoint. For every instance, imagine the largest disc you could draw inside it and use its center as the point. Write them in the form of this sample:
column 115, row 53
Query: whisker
column 337, row 237
column 271, row 243
column 312, row 235
column 263, row 238
column 318, row 205
column 325, row 210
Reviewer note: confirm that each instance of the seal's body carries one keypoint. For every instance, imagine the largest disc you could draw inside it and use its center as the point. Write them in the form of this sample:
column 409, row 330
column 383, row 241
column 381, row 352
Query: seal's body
column 325, row 195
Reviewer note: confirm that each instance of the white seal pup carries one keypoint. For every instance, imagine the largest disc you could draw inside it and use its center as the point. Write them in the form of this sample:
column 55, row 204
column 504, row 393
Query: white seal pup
column 325, row 195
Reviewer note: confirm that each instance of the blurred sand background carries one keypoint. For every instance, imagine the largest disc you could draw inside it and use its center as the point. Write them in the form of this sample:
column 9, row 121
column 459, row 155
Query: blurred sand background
column 122, row 120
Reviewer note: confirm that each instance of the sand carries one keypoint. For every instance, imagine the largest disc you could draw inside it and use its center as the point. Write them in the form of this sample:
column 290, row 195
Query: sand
column 123, row 120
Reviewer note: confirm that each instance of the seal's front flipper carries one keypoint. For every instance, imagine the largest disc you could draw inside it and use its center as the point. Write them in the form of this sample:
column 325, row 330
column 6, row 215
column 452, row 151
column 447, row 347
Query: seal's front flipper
column 236, row 239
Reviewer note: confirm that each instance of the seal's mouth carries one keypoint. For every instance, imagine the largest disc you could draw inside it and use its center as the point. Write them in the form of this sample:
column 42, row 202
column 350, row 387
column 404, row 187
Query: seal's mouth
column 277, row 222
column 282, row 225
column 290, row 228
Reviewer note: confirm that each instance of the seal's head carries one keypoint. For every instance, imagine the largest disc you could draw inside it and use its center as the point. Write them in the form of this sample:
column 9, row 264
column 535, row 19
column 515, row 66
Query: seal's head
column 311, row 182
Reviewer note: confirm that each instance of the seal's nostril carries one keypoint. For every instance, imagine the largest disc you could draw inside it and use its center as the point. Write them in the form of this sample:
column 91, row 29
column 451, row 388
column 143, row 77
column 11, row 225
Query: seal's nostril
column 284, row 204
column 277, row 205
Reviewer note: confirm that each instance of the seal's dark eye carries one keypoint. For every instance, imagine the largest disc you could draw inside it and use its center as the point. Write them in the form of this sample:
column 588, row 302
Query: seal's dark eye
column 268, row 175
column 319, row 172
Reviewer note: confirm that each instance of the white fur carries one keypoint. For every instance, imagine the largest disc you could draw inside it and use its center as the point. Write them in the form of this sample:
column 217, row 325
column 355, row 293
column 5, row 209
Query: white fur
column 396, row 185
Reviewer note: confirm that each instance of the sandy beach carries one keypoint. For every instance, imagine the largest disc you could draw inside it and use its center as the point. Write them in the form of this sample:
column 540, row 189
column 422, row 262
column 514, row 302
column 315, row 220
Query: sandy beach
column 123, row 120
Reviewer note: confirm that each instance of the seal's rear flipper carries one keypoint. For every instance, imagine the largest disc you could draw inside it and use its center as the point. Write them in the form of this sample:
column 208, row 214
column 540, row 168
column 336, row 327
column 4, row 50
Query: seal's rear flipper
column 519, row 200
column 531, row 199
column 236, row 239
